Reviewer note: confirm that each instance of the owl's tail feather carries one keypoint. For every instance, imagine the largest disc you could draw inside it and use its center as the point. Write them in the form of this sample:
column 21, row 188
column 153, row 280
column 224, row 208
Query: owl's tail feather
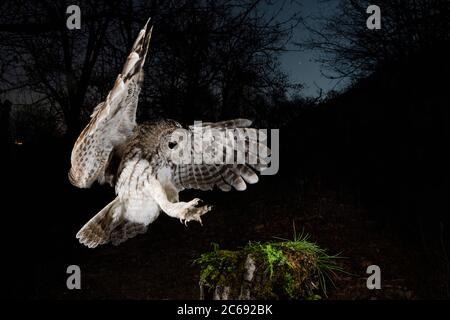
column 98, row 230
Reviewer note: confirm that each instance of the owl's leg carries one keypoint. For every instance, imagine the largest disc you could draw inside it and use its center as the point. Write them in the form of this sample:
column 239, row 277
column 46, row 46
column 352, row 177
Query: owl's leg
column 171, row 192
column 185, row 211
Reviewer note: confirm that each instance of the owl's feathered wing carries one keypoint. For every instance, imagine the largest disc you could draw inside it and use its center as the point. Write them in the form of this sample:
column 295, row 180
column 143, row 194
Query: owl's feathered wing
column 112, row 121
column 136, row 205
column 130, row 213
column 139, row 191
column 224, row 176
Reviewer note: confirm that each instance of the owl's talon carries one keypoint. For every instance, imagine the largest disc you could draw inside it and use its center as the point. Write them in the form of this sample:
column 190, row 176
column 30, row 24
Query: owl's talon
column 193, row 213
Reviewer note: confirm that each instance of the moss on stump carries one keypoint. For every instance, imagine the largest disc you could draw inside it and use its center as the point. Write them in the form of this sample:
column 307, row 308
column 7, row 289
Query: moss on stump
column 295, row 269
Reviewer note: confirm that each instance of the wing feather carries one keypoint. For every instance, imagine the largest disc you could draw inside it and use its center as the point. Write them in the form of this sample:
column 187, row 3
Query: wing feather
column 112, row 121
column 227, row 175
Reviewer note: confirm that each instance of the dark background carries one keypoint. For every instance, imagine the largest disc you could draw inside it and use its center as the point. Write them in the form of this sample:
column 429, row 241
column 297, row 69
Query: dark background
column 364, row 169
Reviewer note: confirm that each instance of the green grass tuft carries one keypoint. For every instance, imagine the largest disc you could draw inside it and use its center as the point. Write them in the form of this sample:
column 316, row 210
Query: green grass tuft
column 292, row 269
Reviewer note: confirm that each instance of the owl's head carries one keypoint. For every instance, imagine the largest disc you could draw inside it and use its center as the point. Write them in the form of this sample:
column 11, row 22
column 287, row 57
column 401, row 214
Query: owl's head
column 173, row 142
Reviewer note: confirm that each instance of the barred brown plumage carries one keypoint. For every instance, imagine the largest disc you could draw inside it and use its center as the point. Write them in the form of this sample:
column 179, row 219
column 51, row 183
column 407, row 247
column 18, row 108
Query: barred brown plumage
column 139, row 160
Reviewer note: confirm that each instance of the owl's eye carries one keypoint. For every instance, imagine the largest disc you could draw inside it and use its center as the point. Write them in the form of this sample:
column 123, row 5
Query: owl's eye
column 172, row 145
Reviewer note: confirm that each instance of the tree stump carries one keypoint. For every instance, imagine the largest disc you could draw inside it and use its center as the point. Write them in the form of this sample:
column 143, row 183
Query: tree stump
column 276, row 270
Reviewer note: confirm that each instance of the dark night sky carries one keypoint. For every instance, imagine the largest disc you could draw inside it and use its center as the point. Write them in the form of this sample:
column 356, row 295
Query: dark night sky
column 301, row 66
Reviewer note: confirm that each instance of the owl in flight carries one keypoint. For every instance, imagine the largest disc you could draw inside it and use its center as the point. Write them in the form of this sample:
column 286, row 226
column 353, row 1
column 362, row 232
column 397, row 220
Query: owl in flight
column 138, row 160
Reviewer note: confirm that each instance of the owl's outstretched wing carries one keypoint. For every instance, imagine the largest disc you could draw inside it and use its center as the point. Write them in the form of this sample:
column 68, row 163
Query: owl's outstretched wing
column 112, row 121
column 248, row 155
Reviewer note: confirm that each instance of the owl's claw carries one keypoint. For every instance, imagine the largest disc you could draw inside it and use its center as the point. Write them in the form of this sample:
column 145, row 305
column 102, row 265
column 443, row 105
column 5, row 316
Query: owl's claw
column 188, row 211
column 193, row 213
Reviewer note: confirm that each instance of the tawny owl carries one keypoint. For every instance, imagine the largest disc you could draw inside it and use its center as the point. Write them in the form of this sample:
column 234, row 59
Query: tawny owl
column 138, row 160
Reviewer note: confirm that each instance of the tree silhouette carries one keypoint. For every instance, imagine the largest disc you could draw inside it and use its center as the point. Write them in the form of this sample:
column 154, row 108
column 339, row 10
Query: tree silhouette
column 208, row 58
column 349, row 49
